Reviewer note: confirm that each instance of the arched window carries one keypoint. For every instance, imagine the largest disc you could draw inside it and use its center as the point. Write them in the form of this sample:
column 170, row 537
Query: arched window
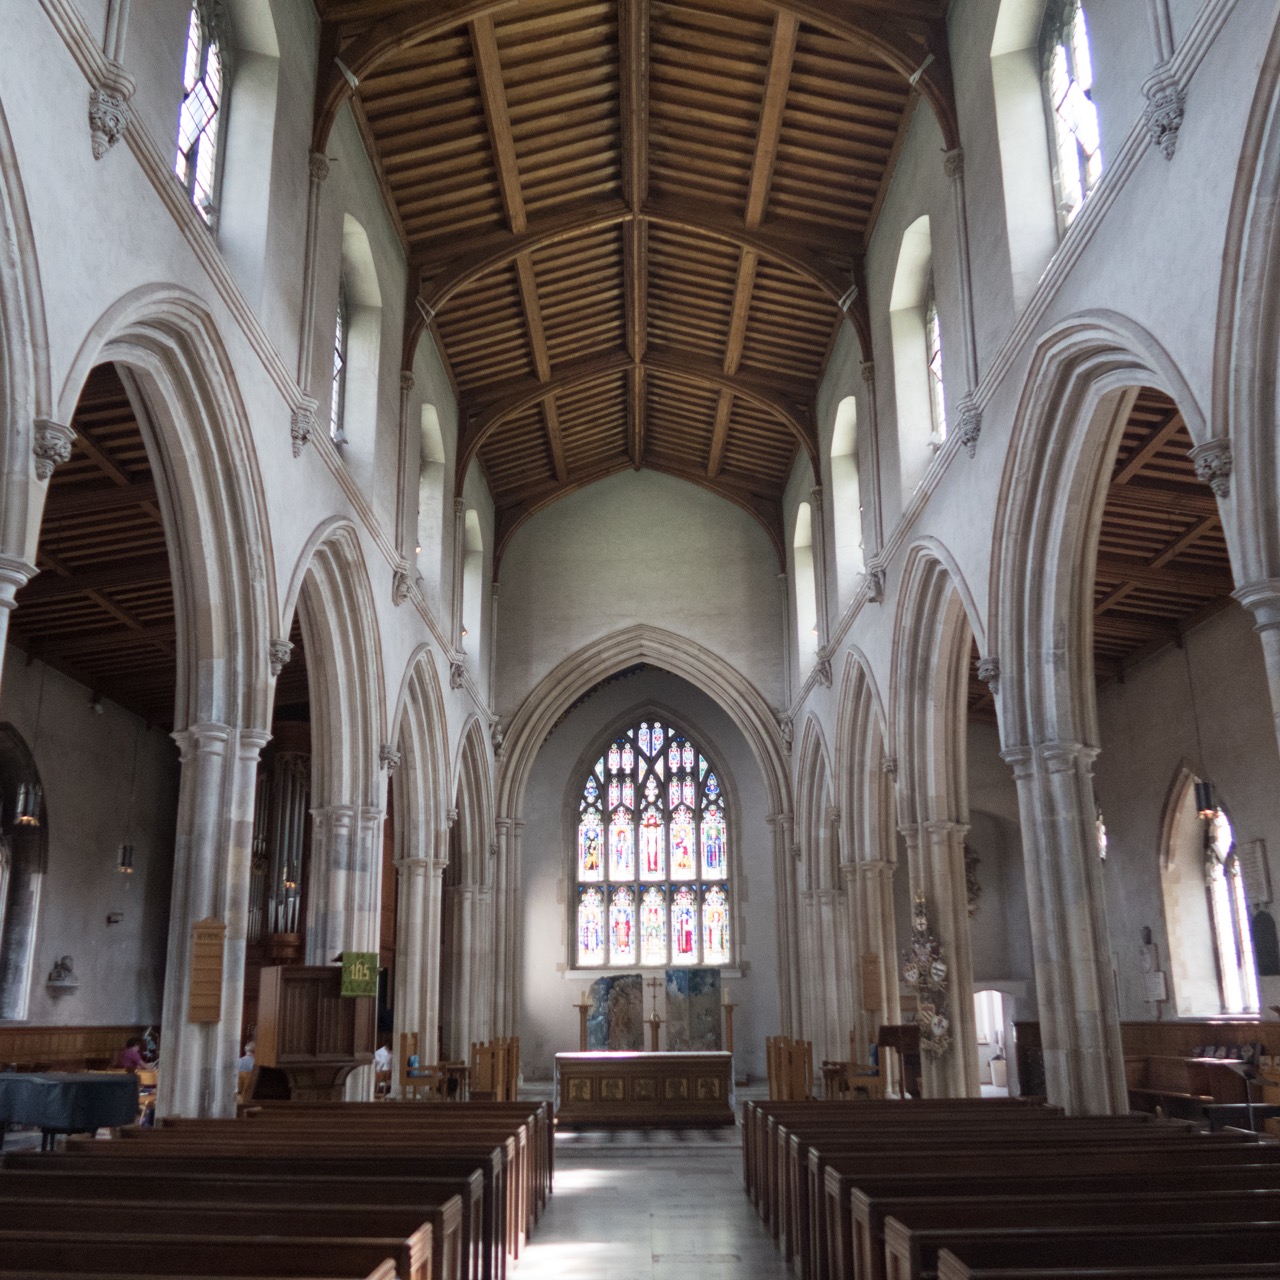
column 806, row 587
column 432, row 474
column 651, row 868
column 933, row 358
column 338, row 395
column 200, row 119
column 472, row 582
column 1073, row 119
column 846, row 499
column 1206, row 911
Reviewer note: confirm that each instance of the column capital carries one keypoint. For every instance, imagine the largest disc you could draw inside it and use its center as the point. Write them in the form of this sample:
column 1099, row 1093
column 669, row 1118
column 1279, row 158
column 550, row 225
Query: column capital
column 815, row 496
column 1262, row 599
column 318, row 166
column 1061, row 757
column 252, row 741
column 209, row 738
column 1021, row 760
column 52, row 445
column 15, row 573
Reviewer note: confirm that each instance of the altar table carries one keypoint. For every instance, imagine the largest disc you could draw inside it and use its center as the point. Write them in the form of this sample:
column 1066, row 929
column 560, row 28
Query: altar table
column 644, row 1090
column 67, row 1101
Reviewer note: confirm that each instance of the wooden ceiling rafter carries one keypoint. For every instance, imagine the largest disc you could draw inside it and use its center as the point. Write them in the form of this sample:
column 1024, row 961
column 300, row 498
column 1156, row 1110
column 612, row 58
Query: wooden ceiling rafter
column 634, row 227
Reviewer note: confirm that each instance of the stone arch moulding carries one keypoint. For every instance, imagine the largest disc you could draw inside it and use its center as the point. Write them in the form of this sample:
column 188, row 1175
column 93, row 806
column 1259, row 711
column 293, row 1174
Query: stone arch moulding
column 25, row 382
column 861, row 753
column 472, row 785
column 543, row 706
column 814, row 797
column 330, row 585
column 196, row 427
column 1049, row 506
column 419, row 722
column 1248, row 349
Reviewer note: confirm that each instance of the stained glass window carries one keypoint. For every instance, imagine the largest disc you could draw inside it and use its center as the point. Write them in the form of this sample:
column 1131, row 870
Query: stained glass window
column 1068, row 80
column 200, row 117
column 652, row 870
column 338, row 396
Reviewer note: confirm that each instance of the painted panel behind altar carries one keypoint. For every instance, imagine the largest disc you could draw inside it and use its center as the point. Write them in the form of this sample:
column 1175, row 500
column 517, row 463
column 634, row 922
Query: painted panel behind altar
column 693, row 1010
column 616, row 1019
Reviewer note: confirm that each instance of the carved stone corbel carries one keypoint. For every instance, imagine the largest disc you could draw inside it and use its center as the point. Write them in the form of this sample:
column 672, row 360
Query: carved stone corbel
column 302, row 424
column 875, row 585
column 318, row 166
column 457, row 675
column 970, row 425
column 953, row 163
column 989, row 672
column 1166, row 105
column 889, row 767
column 281, row 652
column 1214, row 463
column 109, row 109
column 52, row 446
column 389, row 758
column 451, row 817
column 823, row 669
column 401, row 584
column 788, row 729
column 498, row 736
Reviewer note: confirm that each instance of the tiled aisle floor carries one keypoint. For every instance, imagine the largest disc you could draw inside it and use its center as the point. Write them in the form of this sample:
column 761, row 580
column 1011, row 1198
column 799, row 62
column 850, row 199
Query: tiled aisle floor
column 641, row 1206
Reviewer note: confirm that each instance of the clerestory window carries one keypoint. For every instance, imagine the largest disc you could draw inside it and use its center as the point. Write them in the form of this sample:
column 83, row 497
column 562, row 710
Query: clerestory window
column 1073, row 119
column 933, row 357
column 651, row 868
column 200, row 119
column 338, row 395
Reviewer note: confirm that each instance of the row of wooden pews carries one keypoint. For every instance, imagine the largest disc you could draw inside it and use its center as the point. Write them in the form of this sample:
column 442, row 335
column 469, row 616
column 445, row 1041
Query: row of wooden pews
column 289, row 1190
column 970, row 1189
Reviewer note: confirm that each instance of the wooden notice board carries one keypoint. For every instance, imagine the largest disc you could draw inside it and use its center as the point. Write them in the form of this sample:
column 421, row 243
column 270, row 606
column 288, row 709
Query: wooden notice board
column 208, row 942
column 871, row 982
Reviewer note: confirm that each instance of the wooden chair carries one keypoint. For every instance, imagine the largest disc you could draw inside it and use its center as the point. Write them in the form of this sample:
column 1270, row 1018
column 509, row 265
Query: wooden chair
column 485, row 1073
column 417, row 1082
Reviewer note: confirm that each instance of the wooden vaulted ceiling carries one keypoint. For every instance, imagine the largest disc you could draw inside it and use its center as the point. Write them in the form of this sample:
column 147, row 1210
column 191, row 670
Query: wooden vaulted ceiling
column 1162, row 563
column 101, row 608
column 633, row 226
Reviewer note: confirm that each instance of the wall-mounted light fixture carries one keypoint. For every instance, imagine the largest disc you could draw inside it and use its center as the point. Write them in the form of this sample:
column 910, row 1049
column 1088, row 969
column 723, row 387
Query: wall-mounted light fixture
column 124, row 864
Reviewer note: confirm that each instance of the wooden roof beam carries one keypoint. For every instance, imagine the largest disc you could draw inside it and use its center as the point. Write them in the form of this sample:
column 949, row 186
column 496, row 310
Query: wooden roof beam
column 1157, row 438
column 121, row 573
column 636, row 395
column 720, row 434
column 795, row 247
column 555, row 438
column 769, row 132
column 533, row 317
column 493, row 93
column 748, row 260
column 1179, row 544
column 633, row 91
column 1176, row 581
column 75, row 501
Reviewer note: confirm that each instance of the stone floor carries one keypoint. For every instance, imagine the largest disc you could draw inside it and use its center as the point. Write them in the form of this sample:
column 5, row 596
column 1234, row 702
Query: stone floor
column 663, row 1205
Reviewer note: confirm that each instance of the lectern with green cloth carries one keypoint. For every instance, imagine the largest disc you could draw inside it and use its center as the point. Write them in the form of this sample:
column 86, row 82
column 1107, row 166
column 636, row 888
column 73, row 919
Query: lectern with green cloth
column 310, row 1032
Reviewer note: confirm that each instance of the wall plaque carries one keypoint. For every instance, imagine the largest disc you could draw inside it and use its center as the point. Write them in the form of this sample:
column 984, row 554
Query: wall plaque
column 208, row 942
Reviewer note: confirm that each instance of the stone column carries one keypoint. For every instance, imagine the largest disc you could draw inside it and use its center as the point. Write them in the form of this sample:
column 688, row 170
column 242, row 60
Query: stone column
column 364, row 923
column 464, row 908
column 212, row 851
column 970, row 416
column 14, row 575
column 1079, row 1022
column 784, row 909
column 429, row 1033
column 413, row 887
column 329, row 881
column 942, row 881
column 1262, row 599
column 874, row 888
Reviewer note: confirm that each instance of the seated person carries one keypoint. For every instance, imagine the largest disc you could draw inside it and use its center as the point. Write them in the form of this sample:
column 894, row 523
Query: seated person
column 247, row 1061
column 130, row 1057
column 382, row 1057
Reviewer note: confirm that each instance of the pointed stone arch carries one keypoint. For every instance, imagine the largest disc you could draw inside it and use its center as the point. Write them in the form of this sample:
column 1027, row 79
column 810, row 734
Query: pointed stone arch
column 1066, row 431
column 331, row 591
column 868, row 819
column 25, row 386
column 537, row 716
column 933, row 634
column 422, row 804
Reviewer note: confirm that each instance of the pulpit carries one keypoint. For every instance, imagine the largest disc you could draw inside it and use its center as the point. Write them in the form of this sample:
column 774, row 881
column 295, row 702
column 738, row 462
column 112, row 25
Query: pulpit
column 310, row 1033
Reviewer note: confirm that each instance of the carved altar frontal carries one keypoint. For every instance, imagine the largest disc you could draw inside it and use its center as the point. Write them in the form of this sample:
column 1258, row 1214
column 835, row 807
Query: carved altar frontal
column 644, row 1090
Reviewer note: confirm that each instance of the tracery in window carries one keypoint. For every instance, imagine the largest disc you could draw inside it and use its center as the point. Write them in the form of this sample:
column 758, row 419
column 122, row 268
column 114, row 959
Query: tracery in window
column 200, row 119
column 1068, row 73
column 933, row 355
column 338, row 395
column 1233, row 937
column 651, row 866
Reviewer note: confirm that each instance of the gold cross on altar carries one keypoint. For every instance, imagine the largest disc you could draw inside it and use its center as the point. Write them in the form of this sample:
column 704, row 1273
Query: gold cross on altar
column 653, row 984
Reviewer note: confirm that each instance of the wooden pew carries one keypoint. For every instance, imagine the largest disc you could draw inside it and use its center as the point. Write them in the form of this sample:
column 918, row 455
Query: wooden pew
column 951, row 1268
column 140, row 1254
column 50, row 1180
column 1122, row 1163
column 1031, row 1251
column 121, row 1160
column 327, row 1135
column 930, row 1219
column 201, row 1218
